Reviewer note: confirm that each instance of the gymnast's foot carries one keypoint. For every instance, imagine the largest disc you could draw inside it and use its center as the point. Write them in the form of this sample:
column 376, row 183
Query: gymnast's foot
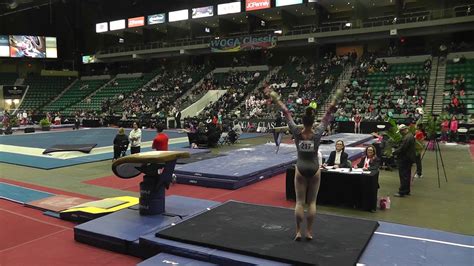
column 309, row 235
column 298, row 237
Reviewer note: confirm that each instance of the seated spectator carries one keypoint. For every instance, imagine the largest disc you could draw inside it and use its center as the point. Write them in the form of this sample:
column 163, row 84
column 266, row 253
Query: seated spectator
column 338, row 158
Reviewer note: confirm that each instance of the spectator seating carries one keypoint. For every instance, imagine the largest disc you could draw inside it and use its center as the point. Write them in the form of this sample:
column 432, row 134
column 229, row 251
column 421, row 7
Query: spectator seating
column 42, row 90
column 238, row 85
column 464, row 93
column 379, row 91
column 76, row 93
column 110, row 93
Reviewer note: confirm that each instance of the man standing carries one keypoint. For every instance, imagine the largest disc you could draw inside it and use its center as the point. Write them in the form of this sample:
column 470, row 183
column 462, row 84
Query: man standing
column 177, row 117
column 160, row 143
column 135, row 137
column 406, row 157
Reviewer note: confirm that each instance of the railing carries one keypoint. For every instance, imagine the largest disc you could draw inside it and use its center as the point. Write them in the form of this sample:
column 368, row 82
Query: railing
column 418, row 16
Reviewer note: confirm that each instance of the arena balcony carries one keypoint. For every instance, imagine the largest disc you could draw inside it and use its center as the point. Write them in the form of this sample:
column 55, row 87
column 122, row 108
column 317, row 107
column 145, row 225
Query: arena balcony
column 412, row 22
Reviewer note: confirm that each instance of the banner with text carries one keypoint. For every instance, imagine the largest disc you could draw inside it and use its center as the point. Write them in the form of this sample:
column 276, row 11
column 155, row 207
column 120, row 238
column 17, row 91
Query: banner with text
column 13, row 91
column 243, row 43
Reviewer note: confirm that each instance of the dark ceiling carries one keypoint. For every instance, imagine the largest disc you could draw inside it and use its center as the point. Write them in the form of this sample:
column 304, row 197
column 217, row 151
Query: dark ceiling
column 73, row 21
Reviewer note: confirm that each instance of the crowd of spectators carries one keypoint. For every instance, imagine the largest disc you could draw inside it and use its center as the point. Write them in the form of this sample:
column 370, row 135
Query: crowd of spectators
column 301, row 82
column 237, row 84
column 400, row 96
column 456, row 93
column 159, row 98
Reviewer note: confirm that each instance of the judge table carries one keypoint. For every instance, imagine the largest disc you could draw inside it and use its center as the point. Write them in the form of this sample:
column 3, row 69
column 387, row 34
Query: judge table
column 355, row 189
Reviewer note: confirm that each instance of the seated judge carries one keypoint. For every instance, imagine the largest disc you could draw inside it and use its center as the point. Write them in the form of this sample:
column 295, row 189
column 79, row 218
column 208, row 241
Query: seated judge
column 338, row 158
column 370, row 161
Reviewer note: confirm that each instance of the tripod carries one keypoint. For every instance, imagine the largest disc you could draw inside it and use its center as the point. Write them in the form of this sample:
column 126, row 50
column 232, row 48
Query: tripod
column 437, row 150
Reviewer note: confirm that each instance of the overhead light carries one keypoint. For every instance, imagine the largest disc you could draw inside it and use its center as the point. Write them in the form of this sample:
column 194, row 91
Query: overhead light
column 348, row 3
column 278, row 32
column 217, row 38
column 348, row 25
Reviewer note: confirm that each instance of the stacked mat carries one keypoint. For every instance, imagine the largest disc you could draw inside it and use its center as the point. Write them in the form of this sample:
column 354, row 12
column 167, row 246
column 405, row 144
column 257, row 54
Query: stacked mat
column 245, row 166
column 238, row 168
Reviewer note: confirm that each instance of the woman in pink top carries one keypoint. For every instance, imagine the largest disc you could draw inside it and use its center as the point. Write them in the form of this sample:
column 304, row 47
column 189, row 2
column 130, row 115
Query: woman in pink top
column 444, row 130
column 453, row 129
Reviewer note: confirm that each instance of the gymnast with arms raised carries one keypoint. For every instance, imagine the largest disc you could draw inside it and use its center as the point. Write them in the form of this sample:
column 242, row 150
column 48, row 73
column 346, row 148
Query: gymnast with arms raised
column 307, row 176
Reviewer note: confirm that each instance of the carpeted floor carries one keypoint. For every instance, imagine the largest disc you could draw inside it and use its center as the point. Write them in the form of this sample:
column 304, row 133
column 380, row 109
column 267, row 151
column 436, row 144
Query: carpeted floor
column 444, row 208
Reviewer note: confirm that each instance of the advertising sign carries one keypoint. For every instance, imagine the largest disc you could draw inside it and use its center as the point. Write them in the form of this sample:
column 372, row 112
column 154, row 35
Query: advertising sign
column 229, row 8
column 101, row 27
column 288, row 2
column 4, row 46
column 117, row 24
column 156, row 19
column 202, row 12
column 243, row 43
column 251, row 5
column 51, row 47
column 136, row 22
column 178, row 15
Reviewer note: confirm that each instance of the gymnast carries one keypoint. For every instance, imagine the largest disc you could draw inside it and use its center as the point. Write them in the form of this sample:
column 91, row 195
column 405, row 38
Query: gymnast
column 307, row 176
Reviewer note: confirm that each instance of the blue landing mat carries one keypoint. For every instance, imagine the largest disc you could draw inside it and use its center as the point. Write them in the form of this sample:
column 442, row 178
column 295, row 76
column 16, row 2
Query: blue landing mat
column 120, row 231
column 170, row 259
column 241, row 163
column 21, row 194
column 246, row 166
column 394, row 249
column 350, row 139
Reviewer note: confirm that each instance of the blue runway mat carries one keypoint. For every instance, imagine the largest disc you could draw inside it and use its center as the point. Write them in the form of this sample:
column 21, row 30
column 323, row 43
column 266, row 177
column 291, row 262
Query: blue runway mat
column 395, row 244
column 120, row 231
column 248, row 165
column 219, row 257
column 21, row 194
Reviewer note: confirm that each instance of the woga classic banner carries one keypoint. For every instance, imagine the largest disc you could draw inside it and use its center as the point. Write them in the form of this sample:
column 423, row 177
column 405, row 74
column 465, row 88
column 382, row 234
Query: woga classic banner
column 243, row 43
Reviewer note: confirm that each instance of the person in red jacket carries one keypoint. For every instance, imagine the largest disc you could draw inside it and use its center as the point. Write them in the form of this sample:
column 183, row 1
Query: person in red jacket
column 160, row 143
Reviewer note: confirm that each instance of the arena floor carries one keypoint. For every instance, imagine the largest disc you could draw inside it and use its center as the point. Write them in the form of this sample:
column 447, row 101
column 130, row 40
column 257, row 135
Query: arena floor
column 31, row 238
